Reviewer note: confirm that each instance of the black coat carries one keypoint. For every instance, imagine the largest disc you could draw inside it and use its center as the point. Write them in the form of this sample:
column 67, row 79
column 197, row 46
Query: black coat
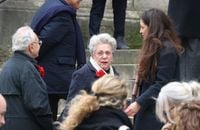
column 167, row 71
column 26, row 96
column 186, row 16
column 105, row 119
column 82, row 79
column 63, row 47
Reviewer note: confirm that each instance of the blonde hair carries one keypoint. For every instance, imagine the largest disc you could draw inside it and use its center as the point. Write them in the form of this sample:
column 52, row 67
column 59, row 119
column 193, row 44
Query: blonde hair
column 108, row 91
column 172, row 95
column 188, row 116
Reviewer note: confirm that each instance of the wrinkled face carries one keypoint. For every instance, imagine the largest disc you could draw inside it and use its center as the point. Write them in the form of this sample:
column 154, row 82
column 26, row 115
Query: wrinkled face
column 2, row 113
column 144, row 30
column 103, row 55
column 34, row 47
column 74, row 3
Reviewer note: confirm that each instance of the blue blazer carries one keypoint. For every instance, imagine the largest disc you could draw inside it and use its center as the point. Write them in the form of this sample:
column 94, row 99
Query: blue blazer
column 56, row 25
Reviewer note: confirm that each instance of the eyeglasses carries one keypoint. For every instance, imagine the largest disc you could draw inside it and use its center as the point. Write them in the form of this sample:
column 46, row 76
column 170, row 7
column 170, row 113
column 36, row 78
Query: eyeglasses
column 101, row 53
column 39, row 42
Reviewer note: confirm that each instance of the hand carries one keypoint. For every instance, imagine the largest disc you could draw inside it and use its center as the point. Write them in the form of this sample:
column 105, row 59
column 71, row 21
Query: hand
column 168, row 126
column 132, row 109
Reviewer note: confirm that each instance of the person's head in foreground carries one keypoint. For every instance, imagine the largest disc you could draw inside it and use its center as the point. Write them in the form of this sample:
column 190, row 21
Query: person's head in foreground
column 108, row 91
column 3, row 106
column 188, row 116
column 172, row 96
column 26, row 41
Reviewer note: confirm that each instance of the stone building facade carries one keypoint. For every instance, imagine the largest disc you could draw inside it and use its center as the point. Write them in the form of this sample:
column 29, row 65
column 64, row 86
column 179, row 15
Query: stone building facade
column 16, row 13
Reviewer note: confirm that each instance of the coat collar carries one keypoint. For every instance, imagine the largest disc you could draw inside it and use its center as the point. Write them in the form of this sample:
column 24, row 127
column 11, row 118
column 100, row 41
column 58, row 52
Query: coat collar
column 24, row 56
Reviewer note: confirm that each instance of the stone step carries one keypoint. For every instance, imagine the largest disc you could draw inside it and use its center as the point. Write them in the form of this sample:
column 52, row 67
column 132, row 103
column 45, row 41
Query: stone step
column 131, row 14
column 127, row 71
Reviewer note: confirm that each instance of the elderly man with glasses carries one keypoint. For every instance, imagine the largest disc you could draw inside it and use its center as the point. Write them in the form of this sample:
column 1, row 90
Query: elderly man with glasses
column 23, row 87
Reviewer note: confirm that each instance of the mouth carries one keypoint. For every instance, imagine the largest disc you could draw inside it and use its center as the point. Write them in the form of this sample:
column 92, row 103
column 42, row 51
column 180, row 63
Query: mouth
column 104, row 62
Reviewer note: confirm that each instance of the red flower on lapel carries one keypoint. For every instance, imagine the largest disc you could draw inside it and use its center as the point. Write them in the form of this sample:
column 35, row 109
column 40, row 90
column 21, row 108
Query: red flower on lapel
column 100, row 73
column 41, row 70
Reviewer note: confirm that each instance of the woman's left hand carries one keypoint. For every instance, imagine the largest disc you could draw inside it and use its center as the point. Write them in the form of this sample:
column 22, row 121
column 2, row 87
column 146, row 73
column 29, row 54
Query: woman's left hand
column 132, row 109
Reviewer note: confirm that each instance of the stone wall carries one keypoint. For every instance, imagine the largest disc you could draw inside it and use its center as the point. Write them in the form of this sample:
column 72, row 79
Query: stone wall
column 16, row 13
column 13, row 14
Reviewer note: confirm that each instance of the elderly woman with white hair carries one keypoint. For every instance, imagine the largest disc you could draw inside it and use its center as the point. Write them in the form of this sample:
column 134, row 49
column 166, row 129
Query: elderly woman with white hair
column 101, row 48
column 23, row 87
column 171, row 97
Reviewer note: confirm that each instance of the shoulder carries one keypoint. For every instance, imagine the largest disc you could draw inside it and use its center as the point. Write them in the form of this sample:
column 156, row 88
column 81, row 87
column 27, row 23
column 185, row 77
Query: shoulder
column 117, row 116
column 84, row 74
column 85, row 69
column 105, row 119
column 168, row 48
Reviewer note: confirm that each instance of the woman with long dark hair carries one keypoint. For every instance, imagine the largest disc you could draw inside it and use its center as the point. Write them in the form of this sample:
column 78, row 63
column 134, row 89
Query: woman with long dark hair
column 158, row 65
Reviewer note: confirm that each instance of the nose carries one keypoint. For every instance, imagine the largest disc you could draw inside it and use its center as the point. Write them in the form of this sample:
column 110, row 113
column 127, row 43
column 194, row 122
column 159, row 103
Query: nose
column 104, row 55
column 140, row 31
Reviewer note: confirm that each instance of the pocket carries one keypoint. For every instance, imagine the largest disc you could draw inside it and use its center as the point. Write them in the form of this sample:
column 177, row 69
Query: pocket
column 66, row 60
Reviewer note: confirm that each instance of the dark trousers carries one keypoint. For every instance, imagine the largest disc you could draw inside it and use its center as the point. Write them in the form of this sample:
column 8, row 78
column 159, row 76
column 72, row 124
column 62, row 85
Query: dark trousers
column 190, row 60
column 97, row 12
column 53, row 101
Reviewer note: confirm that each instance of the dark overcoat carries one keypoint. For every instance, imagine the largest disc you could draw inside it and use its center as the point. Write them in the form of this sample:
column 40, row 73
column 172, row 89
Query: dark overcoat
column 105, row 118
column 26, row 96
column 62, row 47
column 186, row 17
column 82, row 79
column 167, row 71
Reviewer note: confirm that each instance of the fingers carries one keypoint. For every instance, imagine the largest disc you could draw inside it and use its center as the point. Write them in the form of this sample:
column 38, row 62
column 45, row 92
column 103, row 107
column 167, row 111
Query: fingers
column 132, row 109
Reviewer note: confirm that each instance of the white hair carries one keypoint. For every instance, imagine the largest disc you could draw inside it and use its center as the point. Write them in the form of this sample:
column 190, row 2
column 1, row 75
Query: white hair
column 102, row 38
column 22, row 38
column 173, row 94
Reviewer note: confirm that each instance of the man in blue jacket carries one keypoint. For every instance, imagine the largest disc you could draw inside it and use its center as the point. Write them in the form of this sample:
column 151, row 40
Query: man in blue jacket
column 56, row 24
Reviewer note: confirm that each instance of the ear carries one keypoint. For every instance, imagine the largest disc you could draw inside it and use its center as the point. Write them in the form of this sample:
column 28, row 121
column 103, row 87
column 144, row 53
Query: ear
column 31, row 48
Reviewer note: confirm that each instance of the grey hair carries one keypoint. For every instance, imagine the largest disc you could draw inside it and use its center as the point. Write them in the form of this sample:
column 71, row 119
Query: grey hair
column 22, row 38
column 102, row 38
column 172, row 95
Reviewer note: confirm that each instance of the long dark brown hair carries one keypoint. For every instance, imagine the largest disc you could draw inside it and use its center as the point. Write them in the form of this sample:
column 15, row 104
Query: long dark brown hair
column 160, row 29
